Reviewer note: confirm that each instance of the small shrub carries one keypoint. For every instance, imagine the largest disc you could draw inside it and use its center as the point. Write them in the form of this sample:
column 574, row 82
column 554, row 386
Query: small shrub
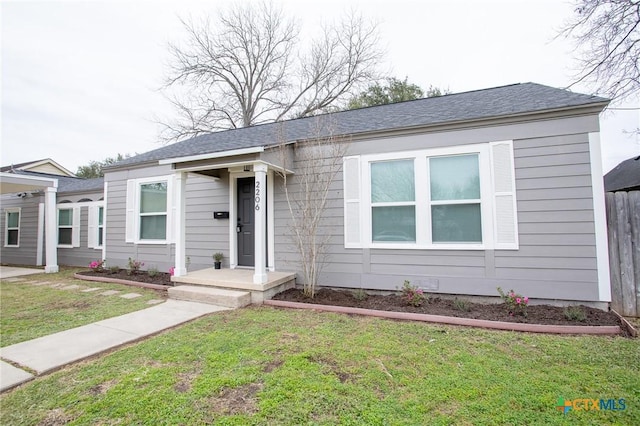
column 217, row 257
column 360, row 295
column 461, row 305
column 413, row 295
column 134, row 266
column 114, row 269
column 97, row 266
column 516, row 303
column 575, row 313
column 152, row 272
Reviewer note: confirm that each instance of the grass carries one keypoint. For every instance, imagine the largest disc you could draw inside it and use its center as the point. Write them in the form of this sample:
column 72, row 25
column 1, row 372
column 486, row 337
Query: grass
column 30, row 311
column 264, row 366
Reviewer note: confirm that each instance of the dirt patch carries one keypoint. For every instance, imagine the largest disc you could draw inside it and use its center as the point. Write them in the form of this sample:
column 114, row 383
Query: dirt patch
column 330, row 366
column 272, row 365
column 102, row 388
column 240, row 400
column 536, row 314
column 56, row 417
column 161, row 278
column 185, row 381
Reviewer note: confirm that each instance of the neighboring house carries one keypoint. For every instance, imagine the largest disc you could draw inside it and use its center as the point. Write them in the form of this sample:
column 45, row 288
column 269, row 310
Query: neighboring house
column 42, row 193
column 624, row 177
column 459, row 194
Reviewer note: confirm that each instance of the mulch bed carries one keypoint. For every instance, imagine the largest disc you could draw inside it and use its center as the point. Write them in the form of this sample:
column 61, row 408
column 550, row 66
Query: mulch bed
column 161, row 278
column 536, row 314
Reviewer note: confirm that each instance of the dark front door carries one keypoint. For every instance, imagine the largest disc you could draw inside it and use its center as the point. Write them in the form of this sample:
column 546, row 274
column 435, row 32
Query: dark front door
column 244, row 227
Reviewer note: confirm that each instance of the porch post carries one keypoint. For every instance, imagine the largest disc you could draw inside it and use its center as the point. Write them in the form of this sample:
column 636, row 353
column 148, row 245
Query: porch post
column 51, row 223
column 180, row 224
column 260, row 272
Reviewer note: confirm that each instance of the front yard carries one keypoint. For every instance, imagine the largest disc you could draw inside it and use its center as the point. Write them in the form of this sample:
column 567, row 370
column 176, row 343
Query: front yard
column 267, row 366
column 42, row 304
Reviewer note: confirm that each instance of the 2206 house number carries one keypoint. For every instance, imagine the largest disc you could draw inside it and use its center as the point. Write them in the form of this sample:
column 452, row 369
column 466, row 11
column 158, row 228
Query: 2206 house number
column 257, row 198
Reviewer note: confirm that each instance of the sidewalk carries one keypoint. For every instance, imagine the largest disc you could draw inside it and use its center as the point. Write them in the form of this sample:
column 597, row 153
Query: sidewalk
column 52, row 352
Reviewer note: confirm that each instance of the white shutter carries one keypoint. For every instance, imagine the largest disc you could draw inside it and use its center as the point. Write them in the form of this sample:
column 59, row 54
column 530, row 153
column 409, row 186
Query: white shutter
column 352, row 191
column 92, row 237
column 504, row 196
column 172, row 204
column 75, row 233
column 130, row 232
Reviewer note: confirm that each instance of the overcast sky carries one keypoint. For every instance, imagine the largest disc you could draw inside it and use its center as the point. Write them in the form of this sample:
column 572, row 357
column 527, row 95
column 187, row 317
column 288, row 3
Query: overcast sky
column 80, row 80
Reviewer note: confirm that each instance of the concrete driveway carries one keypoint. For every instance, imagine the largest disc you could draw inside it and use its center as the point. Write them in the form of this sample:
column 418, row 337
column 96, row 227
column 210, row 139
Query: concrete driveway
column 15, row 271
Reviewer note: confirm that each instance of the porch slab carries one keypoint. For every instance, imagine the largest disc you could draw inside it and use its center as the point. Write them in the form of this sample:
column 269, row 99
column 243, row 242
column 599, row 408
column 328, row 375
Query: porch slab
column 239, row 279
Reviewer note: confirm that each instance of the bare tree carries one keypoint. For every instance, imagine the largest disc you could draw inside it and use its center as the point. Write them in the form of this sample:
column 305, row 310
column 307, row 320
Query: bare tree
column 246, row 69
column 315, row 164
column 607, row 34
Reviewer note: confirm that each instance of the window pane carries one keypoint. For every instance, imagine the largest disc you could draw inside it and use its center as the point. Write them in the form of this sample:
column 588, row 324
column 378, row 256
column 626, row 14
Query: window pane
column 64, row 236
column 394, row 223
column 455, row 178
column 153, row 198
column 100, row 215
column 392, row 181
column 12, row 219
column 456, row 223
column 100, row 236
column 12, row 237
column 65, row 217
column 153, row 227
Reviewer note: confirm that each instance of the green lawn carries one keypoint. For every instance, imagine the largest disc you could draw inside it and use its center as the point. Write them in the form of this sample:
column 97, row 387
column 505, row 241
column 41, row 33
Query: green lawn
column 30, row 311
column 266, row 366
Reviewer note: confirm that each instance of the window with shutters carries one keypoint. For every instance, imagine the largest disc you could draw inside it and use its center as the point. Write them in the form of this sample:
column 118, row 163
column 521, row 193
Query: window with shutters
column 447, row 198
column 68, row 226
column 12, row 227
column 150, row 207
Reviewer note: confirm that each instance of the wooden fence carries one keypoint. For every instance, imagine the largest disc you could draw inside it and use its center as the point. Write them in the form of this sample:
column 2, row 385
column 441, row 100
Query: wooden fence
column 623, row 223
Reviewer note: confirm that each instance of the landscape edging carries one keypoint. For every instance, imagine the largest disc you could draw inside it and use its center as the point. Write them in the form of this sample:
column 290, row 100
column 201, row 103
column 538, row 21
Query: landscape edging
column 439, row 319
column 119, row 281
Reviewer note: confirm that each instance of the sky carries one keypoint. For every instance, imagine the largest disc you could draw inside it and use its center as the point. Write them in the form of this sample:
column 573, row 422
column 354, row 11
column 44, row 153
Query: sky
column 80, row 80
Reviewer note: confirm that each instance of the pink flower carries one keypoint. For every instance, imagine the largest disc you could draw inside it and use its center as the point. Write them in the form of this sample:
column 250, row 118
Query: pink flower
column 526, row 300
column 172, row 270
column 518, row 300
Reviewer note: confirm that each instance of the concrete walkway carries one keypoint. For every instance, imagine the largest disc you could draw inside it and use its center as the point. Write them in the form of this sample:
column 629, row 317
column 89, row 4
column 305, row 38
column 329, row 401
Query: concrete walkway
column 14, row 271
column 51, row 352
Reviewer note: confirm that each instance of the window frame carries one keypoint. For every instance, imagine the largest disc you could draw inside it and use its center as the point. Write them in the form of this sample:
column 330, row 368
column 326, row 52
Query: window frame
column 134, row 214
column 7, row 228
column 100, row 228
column 424, row 238
column 71, row 226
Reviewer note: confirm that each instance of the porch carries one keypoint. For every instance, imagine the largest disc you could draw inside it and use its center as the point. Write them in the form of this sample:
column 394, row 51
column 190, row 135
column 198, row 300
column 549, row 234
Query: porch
column 235, row 284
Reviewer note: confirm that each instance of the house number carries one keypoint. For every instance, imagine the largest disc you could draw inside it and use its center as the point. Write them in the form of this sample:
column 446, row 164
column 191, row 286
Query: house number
column 257, row 196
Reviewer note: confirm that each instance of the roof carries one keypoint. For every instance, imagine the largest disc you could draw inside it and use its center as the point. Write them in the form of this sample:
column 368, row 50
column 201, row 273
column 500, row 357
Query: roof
column 43, row 166
column 624, row 177
column 68, row 184
column 515, row 99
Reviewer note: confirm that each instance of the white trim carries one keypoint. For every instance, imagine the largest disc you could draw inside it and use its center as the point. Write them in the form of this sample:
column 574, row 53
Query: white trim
column 104, row 222
column 133, row 209
column 260, row 224
column 271, row 223
column 180, row 225
column 51, row 230
column 6, row 226
column 40, row 235
column 600, row 218
column 213, row 155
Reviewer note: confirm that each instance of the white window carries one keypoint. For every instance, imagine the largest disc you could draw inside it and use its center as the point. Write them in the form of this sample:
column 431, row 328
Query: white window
column 68, row 227
column 447, row 198
column 12, row 227
column 149, row 210
column 95, row 238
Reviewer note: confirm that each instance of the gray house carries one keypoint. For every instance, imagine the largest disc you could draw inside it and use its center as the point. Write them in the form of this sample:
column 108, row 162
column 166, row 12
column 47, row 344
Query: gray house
column 459, row 194
column 49, row 216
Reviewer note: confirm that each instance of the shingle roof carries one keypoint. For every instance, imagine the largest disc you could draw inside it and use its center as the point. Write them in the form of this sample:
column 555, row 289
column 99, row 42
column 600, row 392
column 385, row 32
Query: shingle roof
column 624, row 177
column 69, row 184
column 480, row 104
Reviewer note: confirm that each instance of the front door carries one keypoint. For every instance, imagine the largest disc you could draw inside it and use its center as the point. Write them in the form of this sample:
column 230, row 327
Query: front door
column 245, row 224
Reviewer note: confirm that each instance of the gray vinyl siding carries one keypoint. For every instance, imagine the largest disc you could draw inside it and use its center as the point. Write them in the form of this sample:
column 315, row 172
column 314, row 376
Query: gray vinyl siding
column 556, row 258
column 83, row 255
column 26, row 253
column 204, row 235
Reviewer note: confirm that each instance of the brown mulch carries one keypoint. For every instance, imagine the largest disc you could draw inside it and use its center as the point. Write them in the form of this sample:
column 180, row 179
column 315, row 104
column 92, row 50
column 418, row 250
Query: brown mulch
column 536, row 314
column 161, row 278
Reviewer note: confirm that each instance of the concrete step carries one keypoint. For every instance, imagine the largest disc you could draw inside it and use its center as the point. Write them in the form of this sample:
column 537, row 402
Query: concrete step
column 211, row 295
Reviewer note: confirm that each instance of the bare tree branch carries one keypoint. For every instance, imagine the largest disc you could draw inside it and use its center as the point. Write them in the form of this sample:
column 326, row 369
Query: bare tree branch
column 607, row 35
column 307, row 192
column 244, row 70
